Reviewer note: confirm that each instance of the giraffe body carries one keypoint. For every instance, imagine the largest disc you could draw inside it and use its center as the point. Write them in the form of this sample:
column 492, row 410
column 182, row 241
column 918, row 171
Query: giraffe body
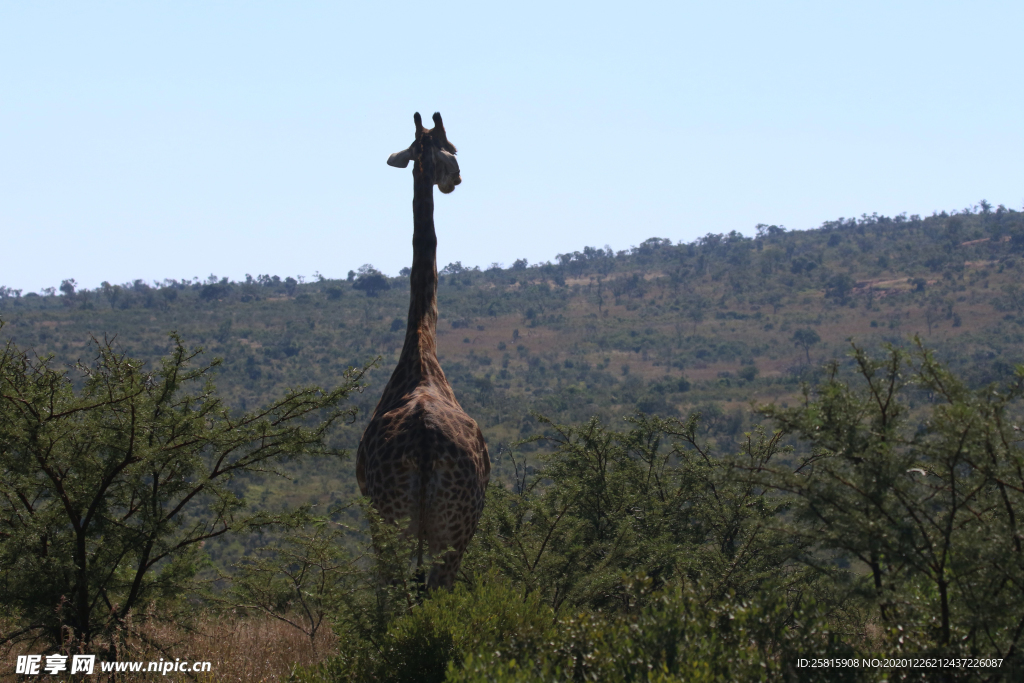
column 422, row 458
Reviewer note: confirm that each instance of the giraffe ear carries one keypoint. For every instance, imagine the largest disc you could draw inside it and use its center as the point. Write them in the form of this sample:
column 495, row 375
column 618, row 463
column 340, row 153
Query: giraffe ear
column 400, row 159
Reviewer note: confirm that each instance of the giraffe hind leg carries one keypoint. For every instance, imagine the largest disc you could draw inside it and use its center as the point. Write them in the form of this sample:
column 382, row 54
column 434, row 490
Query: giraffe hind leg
column 443, row 572
column 455, row 522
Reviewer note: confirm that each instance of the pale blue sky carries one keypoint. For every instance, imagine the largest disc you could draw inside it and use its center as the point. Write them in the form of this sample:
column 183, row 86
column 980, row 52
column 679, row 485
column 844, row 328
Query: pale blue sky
column 177, row 139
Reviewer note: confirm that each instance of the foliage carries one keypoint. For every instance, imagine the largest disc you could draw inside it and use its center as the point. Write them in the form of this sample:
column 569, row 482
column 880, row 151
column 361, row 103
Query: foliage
column 805, row 338
column 373, row 601
column 302, row 577
column 918, row 480
column 114, row 476
column 894, row 535
column 680, row 634
column 553, row 554
column 492, row 632
column 420, row 645
column 370, row 280
column 608, row 502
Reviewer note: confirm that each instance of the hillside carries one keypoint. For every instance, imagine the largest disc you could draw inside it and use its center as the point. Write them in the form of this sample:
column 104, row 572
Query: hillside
column 664, row 328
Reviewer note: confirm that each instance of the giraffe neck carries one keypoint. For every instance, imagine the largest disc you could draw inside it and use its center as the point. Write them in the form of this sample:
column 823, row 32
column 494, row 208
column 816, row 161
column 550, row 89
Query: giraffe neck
column 418, row 362
column 421, row 333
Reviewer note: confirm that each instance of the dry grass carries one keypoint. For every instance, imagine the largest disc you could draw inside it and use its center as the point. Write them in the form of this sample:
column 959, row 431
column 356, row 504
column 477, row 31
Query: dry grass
column 248, row 649
column 242, row 649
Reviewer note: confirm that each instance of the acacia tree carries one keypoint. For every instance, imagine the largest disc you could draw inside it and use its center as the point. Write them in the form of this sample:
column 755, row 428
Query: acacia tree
column 655, row 499
column 805, row 338
column 920, row 479
column 370, row 280
column 108, row 491
column 696, row 311
column 301, row 578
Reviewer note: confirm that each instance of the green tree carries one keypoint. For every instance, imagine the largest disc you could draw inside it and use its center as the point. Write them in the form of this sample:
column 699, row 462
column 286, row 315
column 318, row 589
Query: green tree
column 748, row 373
column 113, row 476
column 932, row 313
column 697, row 310
column 805, row 338
column 1014, row 299
column 921, row 480
column 370, row 280
column 774, row 299
column 655, row 499
column 672, row 635
column 839, row 287
column 302, row 577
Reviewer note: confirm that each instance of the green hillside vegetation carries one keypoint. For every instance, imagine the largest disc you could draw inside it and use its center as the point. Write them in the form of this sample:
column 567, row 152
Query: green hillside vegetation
column 661, row 327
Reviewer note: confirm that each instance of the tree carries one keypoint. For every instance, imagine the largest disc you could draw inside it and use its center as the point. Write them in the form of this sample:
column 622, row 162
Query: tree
column 920, row 479
column 107, row 491
column 839, row 287
column 112, row 292
column 805, row 338
column 1014, row 299
column 370, row 280
column 774, row 299
column 932, row 314
column 67, row 288
column 654, row 499
column 696, row 310
column 302, row 578
column 748, row 372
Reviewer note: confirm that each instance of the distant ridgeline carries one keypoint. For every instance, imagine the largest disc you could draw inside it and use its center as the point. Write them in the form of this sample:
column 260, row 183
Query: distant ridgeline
column 664, row 328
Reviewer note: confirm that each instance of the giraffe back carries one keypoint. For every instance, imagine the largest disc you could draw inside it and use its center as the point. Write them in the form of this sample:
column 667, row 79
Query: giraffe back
column 426, row 460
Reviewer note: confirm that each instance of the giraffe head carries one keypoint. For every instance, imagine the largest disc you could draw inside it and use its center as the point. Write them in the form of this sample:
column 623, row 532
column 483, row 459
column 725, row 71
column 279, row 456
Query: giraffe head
column 432, row 153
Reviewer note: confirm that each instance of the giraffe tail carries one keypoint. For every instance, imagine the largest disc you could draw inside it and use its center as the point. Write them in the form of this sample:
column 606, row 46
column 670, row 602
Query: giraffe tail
column 425, row 466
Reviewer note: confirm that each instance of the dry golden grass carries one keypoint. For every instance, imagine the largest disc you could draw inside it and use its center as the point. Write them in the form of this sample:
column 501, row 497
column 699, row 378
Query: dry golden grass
column 249, row 649
column 241, row 649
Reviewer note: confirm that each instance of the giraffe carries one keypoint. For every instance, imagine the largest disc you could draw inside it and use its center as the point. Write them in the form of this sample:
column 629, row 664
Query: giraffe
column 421, row 456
